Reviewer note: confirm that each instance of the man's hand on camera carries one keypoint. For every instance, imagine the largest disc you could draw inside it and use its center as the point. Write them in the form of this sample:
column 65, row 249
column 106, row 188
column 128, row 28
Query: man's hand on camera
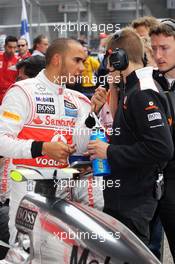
column 58, row 151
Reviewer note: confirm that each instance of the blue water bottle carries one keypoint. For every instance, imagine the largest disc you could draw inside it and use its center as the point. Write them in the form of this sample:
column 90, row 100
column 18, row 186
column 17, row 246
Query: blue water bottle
column 100, row 166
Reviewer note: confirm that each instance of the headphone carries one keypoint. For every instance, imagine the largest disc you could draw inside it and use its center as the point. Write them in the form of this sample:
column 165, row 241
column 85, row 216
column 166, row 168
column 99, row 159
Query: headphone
column 118, row 59
column 169, row 22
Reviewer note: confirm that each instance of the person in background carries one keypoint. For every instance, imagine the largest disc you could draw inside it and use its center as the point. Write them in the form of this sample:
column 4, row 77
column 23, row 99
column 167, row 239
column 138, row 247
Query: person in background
column 40, row 45
column 148, row 52
column 163, row 45
column 8, row 60
column 30, row 67
column 142, row 25
column 23, row 51
column 156, row 230
column 91, row 66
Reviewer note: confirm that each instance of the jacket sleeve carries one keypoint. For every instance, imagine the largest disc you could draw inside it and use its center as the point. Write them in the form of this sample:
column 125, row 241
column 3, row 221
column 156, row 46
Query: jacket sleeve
column 14, row 112
column 152, row 133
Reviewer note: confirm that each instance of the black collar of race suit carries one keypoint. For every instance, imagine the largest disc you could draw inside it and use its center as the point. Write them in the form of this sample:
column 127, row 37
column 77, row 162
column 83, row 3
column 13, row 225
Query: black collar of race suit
column 131, row 81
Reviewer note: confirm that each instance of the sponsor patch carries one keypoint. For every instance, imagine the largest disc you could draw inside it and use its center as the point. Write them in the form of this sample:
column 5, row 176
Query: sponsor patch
column 71, row 112
column 44, row 99
column 37, row 120
column 11, row 115
column 45, row 109
column 26, row 217
column 59, row 122
column 70, row 105
column 40, row 87
column 154, row 116
column 70, row 109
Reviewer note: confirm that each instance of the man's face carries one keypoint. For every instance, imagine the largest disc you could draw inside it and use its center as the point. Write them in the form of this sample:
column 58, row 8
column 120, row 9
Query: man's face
column 10, row 48
column 22, row 46
column 72, row 64
column 43, row 45
column 163, row 51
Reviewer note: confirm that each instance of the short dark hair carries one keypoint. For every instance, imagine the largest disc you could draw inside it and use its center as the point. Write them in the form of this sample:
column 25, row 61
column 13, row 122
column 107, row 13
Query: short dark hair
column 60, row 46
column 38, row 40
column 32, row 65
column 10, row 39
column 165, row 27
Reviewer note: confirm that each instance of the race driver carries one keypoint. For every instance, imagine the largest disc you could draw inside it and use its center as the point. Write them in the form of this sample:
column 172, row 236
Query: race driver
column 39, row 117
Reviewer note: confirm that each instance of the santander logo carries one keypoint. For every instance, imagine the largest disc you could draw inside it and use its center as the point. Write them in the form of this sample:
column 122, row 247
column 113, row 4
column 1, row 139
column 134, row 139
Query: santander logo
column 54, row 122
column 59, row 138
column 37, row 120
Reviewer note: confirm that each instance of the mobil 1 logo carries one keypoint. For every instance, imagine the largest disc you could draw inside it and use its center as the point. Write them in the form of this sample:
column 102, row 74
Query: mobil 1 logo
column 45, row 109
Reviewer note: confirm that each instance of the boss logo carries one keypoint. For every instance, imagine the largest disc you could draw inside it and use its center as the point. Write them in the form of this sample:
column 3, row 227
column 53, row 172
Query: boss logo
column 26, row 217
column 45, row 109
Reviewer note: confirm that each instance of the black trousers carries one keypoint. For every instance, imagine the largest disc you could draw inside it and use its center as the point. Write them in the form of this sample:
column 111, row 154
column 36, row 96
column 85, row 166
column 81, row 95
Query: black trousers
column 4, row 230
column 138, row 218
column 167, row 212
column 156, row 236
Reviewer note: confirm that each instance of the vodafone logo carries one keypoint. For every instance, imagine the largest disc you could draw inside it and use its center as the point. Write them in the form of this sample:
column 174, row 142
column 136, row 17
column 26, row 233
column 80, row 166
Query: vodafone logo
column 45, row 162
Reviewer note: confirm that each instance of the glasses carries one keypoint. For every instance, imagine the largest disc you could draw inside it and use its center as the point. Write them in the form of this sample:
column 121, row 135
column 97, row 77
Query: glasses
column 21, row 45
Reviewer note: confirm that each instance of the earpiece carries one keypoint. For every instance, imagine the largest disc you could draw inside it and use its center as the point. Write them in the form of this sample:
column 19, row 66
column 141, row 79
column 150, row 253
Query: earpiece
column 118, row 59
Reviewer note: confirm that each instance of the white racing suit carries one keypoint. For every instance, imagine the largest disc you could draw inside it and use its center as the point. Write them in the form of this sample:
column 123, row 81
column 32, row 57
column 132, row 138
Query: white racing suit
column 39, row 110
